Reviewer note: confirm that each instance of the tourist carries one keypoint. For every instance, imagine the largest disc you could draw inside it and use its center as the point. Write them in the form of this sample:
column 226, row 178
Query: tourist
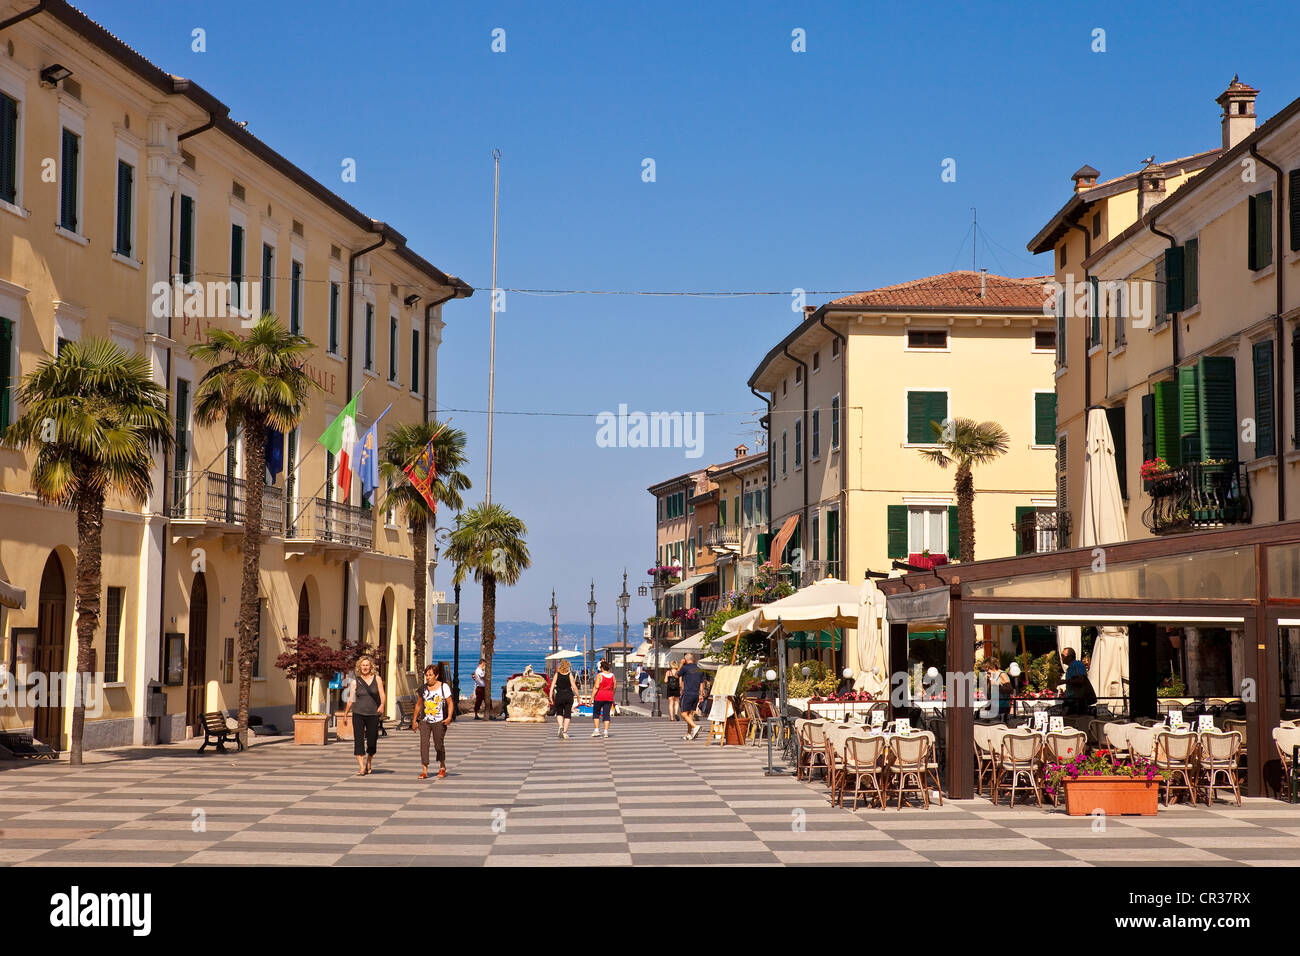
column 480, row 689
column 1078, row 689
column 602, row 698
column 432, row 718
column 367, row 701
column 1000, row 685
column 706, row 699
column 642, row 682
column 691, row 677
column 562, row 698
column 673, row 690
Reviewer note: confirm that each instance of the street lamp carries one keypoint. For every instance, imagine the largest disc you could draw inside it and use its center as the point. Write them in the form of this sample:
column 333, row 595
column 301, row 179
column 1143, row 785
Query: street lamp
column 555, row 631
column 591, row 642
column 440, row 538
column 658, row 589
column 624, row 599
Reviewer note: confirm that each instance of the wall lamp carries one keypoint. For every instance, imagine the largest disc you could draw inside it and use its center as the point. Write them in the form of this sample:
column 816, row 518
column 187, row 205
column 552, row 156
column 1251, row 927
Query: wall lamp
column 52, row 74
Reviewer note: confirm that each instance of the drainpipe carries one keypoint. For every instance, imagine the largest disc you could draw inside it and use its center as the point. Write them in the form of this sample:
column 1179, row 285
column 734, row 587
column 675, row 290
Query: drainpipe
column 379, row 228
column 212, row 121
column 1278, row 415
column 803, row 431
column 1174, row 340
column 1088, row 343
column 767, row 428
column 19, row 18
column 840, row 551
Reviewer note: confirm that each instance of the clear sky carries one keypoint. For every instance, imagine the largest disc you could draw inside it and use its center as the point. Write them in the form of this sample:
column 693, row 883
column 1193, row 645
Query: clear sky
column 774, row 169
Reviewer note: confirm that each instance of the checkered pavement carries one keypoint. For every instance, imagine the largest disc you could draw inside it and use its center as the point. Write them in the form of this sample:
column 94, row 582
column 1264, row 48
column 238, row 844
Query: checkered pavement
column 515, row 795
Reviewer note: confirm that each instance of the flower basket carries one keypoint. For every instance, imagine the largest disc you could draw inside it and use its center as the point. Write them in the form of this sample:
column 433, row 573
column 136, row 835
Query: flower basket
column 309, row 729
column 1114, row 796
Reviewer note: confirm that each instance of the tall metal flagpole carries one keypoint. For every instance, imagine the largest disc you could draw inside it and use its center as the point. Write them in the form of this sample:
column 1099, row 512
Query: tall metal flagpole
column 492, row 348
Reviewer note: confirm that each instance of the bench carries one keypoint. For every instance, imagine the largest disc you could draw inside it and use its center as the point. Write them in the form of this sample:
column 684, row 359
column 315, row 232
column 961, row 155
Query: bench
column 216, row 731
column 405, row 711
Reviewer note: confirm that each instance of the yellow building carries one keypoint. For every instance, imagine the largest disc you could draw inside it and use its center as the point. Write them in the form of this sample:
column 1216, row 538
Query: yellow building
column 852, row 391
column 115, row 178
column 740, row 538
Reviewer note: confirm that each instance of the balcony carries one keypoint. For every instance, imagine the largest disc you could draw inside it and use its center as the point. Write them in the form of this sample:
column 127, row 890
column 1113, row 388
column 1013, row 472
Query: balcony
column 723, row 540
column 209, row 502
column 1197, row 496
column 1047, row 529
column 815, row 571
column 320, row 526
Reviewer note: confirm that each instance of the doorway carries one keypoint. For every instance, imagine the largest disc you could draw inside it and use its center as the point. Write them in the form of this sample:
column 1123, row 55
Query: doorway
column 196, row 673
column 51, row 653
column 301, row 691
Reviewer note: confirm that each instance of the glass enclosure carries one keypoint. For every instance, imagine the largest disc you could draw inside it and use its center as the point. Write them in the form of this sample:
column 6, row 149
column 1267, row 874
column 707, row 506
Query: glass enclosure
column 1227, row 574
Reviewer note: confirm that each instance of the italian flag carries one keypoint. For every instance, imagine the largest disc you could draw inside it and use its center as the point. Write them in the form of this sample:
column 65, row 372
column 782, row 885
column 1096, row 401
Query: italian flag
column 339, row 440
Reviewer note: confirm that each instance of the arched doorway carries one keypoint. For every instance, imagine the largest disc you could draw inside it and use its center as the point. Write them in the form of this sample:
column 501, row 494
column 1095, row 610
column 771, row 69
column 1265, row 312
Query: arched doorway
column 301, row 691
column 382, row 642
column 51, row 654
column 196, row 673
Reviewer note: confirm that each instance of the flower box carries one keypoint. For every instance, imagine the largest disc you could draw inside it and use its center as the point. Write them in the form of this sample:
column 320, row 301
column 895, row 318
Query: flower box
column 1114, row 796
column 737, row 729
column 309, row 729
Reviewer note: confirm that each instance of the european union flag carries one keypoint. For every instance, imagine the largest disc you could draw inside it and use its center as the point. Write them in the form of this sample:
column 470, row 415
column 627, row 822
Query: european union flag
column 366, row 456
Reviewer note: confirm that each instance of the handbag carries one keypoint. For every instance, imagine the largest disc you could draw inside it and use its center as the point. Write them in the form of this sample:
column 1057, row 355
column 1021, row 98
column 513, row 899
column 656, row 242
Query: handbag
column 343, row 725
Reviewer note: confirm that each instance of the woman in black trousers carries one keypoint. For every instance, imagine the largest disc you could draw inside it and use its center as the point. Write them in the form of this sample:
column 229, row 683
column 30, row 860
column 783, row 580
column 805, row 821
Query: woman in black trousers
column 369, row 700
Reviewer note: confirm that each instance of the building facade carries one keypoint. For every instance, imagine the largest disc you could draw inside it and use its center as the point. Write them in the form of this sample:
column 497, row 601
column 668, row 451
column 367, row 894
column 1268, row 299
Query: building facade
column 135, row 209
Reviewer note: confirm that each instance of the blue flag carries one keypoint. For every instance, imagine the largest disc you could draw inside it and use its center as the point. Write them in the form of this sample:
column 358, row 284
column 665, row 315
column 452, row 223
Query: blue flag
column 274, row 454
column 366, row 456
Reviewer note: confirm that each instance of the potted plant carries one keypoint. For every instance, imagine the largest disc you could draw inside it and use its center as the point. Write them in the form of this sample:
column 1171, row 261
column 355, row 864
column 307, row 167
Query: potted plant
column 1102, row 781
column 312, row 659
column 1152, row 470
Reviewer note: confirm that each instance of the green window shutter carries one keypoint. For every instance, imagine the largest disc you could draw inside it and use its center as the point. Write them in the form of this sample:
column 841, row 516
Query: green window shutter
column 334, row 317
column 1293, row 206
column 1265, row 431
column 938, row 412
column 764, row 547
column 6, row 370
column 1148, row 427
column 295, row 299
column 954, row 535
column 236, row 259
column 1217, row 393
column 68, row 182
column 8, row 149
column 125, row 203
column 918, row 418
column 1191, row 273
column 896, row 522
column 1115, row 418
column 736, row 510
column 1174, row 288
column 185, row 259
column 1189, row 415
column 1166, row 423
column 722, row 512
column 1259, row 250
column 182, row 417
column 1044, row 418
column 1021, row 512
column 1094, row 307
column 1295, row 387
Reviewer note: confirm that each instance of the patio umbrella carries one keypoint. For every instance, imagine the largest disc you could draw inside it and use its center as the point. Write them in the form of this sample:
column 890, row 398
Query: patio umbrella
column 559, row 655
column 871, row 645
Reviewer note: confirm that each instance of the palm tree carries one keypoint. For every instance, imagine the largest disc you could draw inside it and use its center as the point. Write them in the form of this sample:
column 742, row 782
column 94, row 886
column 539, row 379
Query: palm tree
column 966, row 443
column 95, row 416
column 489, row 542
column 403, row 444
column 256, row 382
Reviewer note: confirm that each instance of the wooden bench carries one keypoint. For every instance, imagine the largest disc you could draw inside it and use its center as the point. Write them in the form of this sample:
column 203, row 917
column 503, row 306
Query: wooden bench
column 405, row 711
column 216, row 732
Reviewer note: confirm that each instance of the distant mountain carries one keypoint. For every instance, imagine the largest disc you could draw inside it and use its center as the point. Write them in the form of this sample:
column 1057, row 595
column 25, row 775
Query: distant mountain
column 530, row 636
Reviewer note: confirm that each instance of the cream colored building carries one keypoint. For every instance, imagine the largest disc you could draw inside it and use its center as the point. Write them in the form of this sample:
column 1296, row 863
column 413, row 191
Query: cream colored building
column 153, row 179
column 741, row 536
column 853, row 389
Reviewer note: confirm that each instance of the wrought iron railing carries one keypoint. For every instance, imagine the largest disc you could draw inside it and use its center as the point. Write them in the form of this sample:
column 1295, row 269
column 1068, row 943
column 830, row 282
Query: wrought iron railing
column 1046, row 529
column 332, row 522
column 215, row 498
column 1197, row 496
column 723, row 539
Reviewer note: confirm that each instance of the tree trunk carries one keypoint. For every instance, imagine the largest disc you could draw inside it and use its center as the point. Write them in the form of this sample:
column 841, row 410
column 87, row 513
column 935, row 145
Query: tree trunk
column 90, row 534
column 489, row 633
column 420, row 549
column 254, row 484
column 966, row 512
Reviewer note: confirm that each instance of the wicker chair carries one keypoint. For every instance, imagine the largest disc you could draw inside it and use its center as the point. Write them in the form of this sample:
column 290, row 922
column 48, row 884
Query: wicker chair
column 1176, row 757
column 1142, row 742
column 1231, row 724
column 1286, row 739
column 1021, row 757
column 864, row 759
column 909, row 756
column 986, row 755
column 811, row 753
column 834, row 761
column 1117, row 738
column 1220, row 756
column 932, row 764
column 1062, row 747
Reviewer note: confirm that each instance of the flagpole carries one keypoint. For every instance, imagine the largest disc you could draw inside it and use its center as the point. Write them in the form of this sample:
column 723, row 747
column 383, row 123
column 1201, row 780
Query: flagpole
column 492, row 348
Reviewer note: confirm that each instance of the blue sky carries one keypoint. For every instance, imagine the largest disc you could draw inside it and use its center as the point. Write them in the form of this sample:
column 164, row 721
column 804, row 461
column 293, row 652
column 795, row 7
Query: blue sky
column 774, row 170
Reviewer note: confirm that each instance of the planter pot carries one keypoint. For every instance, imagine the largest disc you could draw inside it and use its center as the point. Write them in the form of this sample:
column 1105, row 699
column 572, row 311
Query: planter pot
column 1114, row 796
column 737, row 729
column 309, row 729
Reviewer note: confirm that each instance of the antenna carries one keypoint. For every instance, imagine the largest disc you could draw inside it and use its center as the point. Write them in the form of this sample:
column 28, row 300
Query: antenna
column 974, row 235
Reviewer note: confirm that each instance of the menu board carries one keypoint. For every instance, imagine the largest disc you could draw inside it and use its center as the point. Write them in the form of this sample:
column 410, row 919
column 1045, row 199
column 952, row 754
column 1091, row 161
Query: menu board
column 877, row 718
column 1176, row 719
column 1057, row 725
column 1205, row 722
column 903, row 725
column 1040, row 720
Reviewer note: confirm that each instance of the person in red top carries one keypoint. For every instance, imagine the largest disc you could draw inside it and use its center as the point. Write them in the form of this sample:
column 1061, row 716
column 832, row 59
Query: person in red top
column 602, row 700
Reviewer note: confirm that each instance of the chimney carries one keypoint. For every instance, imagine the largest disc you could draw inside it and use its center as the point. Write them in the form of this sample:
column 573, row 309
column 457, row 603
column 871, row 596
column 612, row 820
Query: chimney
column 984, row 275
column 1238, row 119
column 808, row 310
column 1084, row 179
column 1151, row 189
column 742, row 451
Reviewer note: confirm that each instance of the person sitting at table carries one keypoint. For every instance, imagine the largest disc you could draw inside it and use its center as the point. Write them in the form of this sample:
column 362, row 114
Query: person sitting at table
column 999, row 684
column 1079, row 694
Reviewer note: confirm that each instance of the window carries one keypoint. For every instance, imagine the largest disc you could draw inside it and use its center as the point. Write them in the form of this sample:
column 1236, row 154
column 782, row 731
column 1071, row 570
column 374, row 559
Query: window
column 927, row 338
column 783, row 384
column 736, row 502
column 7, row 369
column 181, row 443
column 782, row 453
column 699, row 539
column 816, row 537
column 125, row 205
column 1265, row 420
column 268, row 278
column 835, row 348
column 798, row 374
column 1062, row 484
column 329, row 476
column 816, row 434
column 659, row 509
column 817, row 361
column 835, row 423
column 833, row 544
column 1115, row 418
column 228, row 662
column 185, row 254
column 291, row 477
column 69, row 175
column 392, row 348
column 295, row 297
column 1045, row 418
column 1096, row 225
column 415, row 359
column 1094, row 314
column 1062, row 255
column 370, row 337
column 798, row 444
column 1293, row 206
column 1060, row 330
column 1044, row 340
column 9, row 154
column 1120, row 313
column 915, row 529
column 112, row 634
column 923, row 408
column 1193, row 418
column 1295, row 390
column 236, row 264
column 1259, row 242
column 1191, row 273
column 334, row 318
column 722, row 512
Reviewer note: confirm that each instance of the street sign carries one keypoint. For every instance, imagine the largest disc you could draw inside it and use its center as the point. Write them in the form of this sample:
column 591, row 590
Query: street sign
column 438, row 597
column 448, row 614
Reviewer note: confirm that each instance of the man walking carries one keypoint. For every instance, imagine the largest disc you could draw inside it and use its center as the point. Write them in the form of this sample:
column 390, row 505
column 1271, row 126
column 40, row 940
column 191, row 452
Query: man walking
column 480, row 688
column 690, row 677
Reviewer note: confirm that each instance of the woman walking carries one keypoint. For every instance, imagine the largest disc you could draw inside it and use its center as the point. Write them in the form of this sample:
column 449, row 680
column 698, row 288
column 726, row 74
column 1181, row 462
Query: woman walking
column 433, row 717
column 602, row 699
column 562, row 698
column 673, row 689
column 368, row 701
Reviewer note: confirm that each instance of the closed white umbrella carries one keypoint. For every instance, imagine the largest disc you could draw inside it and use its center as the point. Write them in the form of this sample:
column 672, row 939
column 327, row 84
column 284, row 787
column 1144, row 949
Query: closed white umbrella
column 871, row 641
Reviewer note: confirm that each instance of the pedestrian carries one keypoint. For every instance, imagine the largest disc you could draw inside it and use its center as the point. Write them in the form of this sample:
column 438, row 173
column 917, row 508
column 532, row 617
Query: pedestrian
column 643, row 682
column 480, row 688
column 562, row 699
column 367, row 702
column 432, row 718
column 691, row 677
column 1079, row 695
column 706, row 701
column 673, row 689
column 602, row 698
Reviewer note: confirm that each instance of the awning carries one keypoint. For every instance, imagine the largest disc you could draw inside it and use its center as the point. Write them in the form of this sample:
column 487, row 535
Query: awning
column 13, row 597
column 782, row 539
column 689, row 583
column 814, row 640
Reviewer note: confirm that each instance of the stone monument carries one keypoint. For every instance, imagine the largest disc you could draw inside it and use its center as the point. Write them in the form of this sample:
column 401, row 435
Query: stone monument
column 527, row 696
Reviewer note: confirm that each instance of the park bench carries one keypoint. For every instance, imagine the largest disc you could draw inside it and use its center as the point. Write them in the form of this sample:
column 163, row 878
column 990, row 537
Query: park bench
column 216, row 731
column 405, row 710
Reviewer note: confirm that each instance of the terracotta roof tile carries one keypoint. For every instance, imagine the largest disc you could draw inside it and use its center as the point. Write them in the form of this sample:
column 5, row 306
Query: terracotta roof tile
column 955, row 290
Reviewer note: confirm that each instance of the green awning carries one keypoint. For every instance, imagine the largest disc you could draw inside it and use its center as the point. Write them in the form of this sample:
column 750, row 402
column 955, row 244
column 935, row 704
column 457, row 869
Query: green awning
column 810, row 641
column 938, row 635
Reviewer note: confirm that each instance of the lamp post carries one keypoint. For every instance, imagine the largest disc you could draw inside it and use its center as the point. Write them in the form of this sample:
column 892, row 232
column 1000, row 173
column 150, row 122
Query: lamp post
column 658, row 589
column 440, row 538
column 624, row 599
column 555, row 631
column 591, row 640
